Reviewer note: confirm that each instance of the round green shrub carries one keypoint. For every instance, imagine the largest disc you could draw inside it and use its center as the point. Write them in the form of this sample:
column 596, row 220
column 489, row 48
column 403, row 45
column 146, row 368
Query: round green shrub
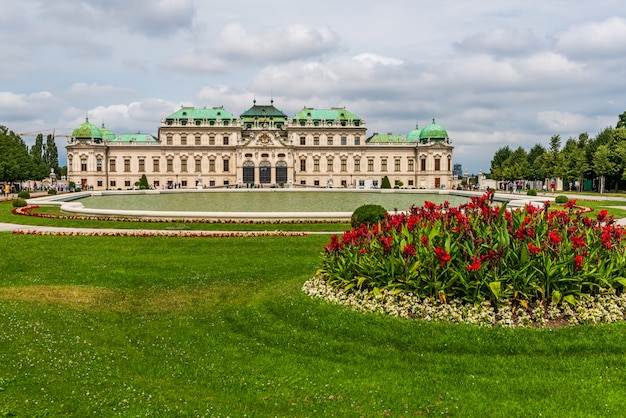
column 19, row 203
column 561, row 199
column 531, row 192
column 24, row 194
column 52, row 191
column 368, row 215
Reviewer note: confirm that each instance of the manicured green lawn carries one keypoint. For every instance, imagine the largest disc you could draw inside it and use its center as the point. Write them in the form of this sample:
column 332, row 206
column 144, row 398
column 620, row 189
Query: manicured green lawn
column 107, row 326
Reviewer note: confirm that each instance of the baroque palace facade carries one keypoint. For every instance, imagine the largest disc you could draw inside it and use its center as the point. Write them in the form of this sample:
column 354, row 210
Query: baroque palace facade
column 263, row 147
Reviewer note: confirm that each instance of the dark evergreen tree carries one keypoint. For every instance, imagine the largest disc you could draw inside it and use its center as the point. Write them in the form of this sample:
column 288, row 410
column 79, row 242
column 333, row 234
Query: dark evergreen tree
column 385, row 183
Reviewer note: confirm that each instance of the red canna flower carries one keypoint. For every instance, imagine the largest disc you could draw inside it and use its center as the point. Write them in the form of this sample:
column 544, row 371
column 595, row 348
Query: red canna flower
column 425, row 241
column 533, row 249
column 475, row 265
column 602, row 215
column 555, row 238
column 578, row 262
column 442, row 255
column 408, row 250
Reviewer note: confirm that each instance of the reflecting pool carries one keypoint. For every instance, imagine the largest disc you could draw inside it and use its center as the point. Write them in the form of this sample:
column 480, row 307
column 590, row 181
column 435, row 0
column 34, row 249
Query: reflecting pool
column 266, row 200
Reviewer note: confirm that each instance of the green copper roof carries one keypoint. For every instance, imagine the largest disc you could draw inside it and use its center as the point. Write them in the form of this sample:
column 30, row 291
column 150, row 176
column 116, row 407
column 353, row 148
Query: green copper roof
column 142, row 138
column 386, row 139
column 326, row 114
column 414, row 135
column 203, row 113
column 263, row 111
column 106, row 134
column 87, row 131
column 433, row 131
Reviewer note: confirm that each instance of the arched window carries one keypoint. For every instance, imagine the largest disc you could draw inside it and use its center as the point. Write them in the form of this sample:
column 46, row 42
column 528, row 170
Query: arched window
column 265, row 172
column 248, row 172
column 281, row 172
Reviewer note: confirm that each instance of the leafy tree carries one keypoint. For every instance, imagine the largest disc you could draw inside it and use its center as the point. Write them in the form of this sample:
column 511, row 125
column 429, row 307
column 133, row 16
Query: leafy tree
column 603, row 164
column 16, row 164
column 573, row 161
column 535, row 170
column 621, row 123
column 40, row 168
column 497, row 162
column 51, row 154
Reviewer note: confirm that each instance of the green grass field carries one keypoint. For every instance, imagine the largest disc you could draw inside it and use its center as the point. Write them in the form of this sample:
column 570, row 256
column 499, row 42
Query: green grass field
column 118, row 326
column 106, row 326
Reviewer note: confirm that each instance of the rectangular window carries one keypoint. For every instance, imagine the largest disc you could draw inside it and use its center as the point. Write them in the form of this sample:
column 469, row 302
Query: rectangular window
column 198, row 165
column 156, row 166
column 410, row 182
column 226, row 182
column 316, row 183
column 183, row 140
column 212, row 166
column 183, row 166
column 183, row 183
column 127, row 165
column 423, row 164
column 225, row 140
column 302, row 140
column 344, row 165
column 383, row 165
column 370, row 164
column 437, row 164
column 411, row 164
column 169, row 140
column 142, row 165
column 329, row 165
column 112, row 166
column 98, row 165
column 198, row 140
column 99, row 183
column 357, row 165
column 226, row 166
column 316, row 165
column 344, row 140
column 357, row 140
column 112, row 183
column 396, row 164
column 316, row 140
column 211, row 183
column 211, row 140
column 302, row 165
column 330, row 140
column 170, row 165
column 127, row 183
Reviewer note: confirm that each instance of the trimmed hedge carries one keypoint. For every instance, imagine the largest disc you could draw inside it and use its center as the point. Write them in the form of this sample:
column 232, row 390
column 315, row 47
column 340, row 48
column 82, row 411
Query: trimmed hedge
column 561, row 199
column 368, row 215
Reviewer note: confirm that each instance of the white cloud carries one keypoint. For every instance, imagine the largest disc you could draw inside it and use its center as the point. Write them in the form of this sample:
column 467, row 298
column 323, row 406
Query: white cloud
column 500, row 42
column 594, row 40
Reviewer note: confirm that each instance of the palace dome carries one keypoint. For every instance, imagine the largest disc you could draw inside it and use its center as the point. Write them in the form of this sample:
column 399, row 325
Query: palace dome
column 433, row 131
column 107, row 135
column 414, row 135
column 87, row 131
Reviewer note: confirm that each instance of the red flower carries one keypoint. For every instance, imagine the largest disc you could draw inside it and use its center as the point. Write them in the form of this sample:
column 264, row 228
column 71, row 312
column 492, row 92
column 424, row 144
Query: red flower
column 425, row 241
column 533, row 249
column 578, row 262
column 335, row 245
column 555, row 238
column 387, row 243
column 475, row 264
column 408, row 250
column 602, row 215
column 442, row 255
column 578, row 241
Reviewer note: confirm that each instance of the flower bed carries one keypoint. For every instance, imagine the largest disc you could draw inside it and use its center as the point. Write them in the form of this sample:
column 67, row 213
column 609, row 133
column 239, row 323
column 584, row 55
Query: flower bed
column 31, row 211
column 176, row 234
column 529, row 266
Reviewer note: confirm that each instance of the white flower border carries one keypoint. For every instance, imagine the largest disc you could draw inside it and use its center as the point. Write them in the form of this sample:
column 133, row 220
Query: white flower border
column 592, row 310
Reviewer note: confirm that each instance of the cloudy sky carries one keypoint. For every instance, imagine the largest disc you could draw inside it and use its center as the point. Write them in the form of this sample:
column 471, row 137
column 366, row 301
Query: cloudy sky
column 492, row 73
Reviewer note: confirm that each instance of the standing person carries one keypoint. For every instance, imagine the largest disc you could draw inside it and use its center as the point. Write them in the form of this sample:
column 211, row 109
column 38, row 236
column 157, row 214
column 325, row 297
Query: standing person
column 553, row 186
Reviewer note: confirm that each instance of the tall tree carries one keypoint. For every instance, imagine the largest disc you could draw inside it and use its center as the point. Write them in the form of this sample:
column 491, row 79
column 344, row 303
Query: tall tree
column 40, row 168
column 497, row 162
column 621, row 123
column 51, row 154
column 16, row 164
